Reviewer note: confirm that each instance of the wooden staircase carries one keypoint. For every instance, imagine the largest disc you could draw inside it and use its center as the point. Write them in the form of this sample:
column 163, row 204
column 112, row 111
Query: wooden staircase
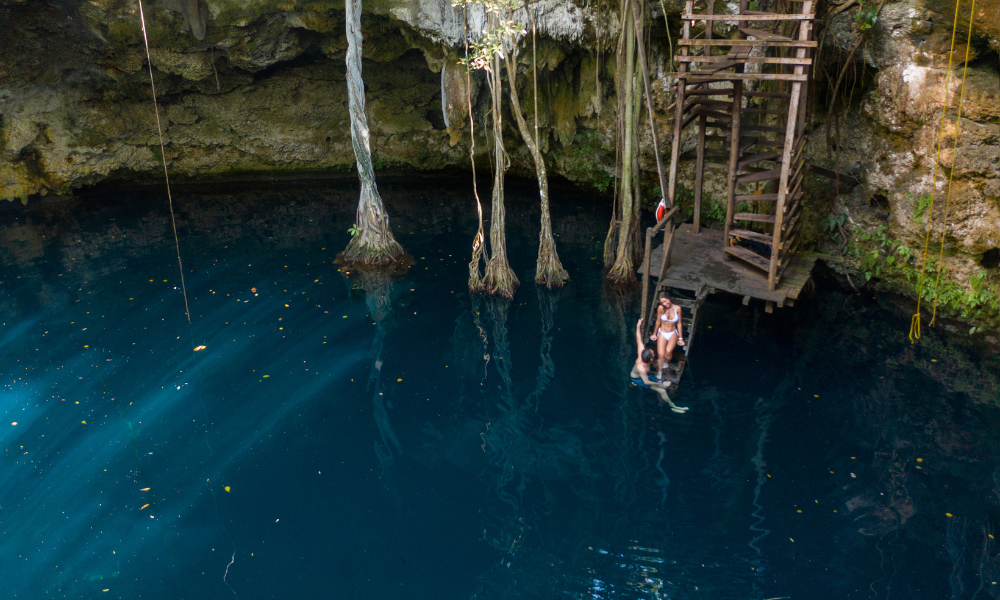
column 746, row 95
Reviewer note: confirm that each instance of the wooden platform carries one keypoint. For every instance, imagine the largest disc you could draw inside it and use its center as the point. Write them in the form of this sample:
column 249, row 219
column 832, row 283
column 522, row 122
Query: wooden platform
column 697, row 264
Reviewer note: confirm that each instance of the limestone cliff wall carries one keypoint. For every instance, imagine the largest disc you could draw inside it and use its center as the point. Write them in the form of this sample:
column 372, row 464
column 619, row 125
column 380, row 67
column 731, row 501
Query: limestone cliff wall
column 252, row 88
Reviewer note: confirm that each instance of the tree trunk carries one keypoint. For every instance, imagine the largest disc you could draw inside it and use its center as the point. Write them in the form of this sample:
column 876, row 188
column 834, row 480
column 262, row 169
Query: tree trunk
column 622, row 271
column 374, row 243
column 499, row 278
column 549, row 270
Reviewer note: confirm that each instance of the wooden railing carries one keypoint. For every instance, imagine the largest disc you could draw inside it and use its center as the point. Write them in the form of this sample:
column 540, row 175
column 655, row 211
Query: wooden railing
column 667, row 225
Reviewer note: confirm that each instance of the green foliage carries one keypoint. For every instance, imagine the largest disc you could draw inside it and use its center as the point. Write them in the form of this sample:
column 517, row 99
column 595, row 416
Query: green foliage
column 867, row 15
column 713, row 210
column 497, row 37
column 833, row 224
column 354, row 230
column 923, row 203
column 881, row 256
column 582, row 159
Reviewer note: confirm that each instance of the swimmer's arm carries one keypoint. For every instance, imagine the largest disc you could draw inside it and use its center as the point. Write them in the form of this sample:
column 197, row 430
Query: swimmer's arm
column 640, row 345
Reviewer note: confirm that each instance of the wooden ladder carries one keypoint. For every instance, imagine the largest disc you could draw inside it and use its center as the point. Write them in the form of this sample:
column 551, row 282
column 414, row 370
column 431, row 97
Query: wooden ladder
column 747, row 96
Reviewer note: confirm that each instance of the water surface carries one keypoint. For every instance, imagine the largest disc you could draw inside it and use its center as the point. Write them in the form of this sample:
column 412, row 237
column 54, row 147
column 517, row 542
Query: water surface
column 364, row 437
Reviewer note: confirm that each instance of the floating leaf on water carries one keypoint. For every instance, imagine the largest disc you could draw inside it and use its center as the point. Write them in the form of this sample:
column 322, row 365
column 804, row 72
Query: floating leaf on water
column 144, row 506
column 199, row 348
column 144, row 490
column 226, row 488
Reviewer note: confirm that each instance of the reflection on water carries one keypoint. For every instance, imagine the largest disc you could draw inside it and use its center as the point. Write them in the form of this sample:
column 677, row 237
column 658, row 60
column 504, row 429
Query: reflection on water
column 375, row 434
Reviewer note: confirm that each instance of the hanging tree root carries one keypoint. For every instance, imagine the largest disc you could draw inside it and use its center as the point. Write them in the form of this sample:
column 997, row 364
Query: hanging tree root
column 549, row 270
column 499, row 279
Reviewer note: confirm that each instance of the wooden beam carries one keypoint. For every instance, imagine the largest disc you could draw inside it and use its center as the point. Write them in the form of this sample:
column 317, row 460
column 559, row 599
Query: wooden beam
column 766, row 60
column 699, row 77
column 645, row 274
column 751, row 43
column 745, row 17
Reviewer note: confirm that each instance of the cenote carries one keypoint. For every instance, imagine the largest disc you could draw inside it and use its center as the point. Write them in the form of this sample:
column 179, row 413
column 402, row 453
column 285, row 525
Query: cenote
column 343, row 437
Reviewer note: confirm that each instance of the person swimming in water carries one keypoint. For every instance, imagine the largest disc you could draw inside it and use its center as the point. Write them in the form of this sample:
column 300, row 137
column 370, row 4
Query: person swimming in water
column 668, row 334
column 640, row 371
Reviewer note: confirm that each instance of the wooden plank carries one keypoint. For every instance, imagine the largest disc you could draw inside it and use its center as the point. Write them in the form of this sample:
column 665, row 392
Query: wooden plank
column 746, row 234
column 788, row 43
column 734, row 156
column 699, row 173
column 756, row 218
column 850, row 180
column 762, row 35
column 760, row 156
column 756, row 197
column 710, row 92
column 717, row 104
column 764, row 60
column 748, row 256
column 707, row 112
column 697, row 265
column 748, row 17
column 762, row 176
column 645, row 274
column 700, row 77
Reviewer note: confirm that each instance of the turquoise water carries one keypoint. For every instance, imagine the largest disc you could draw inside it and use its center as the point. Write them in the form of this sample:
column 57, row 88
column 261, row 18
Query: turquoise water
column 347, row 437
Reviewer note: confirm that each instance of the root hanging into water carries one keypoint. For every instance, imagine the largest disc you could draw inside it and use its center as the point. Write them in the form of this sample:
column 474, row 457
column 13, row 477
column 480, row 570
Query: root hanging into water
column 373, row 243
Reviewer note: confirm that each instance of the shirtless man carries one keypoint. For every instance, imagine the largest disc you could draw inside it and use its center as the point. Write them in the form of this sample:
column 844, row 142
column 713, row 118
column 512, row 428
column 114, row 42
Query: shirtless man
column 640, row 372
column 668, row 334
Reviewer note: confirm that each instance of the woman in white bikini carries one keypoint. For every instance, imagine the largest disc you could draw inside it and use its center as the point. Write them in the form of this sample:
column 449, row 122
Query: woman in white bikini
column 668, row 334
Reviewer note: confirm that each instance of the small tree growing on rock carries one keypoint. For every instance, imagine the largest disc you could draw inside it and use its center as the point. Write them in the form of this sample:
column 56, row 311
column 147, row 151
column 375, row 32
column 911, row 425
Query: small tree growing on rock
column 372, row 242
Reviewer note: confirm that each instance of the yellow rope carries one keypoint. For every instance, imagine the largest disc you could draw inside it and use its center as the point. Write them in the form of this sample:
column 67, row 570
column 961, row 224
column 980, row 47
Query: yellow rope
column 954, row 160
column 915, row 320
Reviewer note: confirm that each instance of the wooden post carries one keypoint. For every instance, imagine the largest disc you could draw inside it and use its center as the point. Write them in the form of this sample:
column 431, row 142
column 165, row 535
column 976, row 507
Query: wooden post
column 734, row 156
column 734, row 144
column 786, row 156
column 699, row 171
column 645, row 272
column 649, row 99
column 675, row 150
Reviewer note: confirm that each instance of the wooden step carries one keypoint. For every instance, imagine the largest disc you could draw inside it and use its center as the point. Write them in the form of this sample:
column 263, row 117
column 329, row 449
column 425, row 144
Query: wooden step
column 762, row 176
column 716, row 104
column 714, row 114
column 765, row 128
column 729, row 61
column 756, row 218
column 710, row 92
column 761, row 156
column 749, row 43
column 746, row 234
column 760, row 16
column 756, row 197
column 749, row 256
column 763, row 35
column 707, row 77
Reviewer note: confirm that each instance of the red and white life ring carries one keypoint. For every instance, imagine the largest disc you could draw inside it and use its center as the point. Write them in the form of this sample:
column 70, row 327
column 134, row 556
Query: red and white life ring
column 661, row 209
